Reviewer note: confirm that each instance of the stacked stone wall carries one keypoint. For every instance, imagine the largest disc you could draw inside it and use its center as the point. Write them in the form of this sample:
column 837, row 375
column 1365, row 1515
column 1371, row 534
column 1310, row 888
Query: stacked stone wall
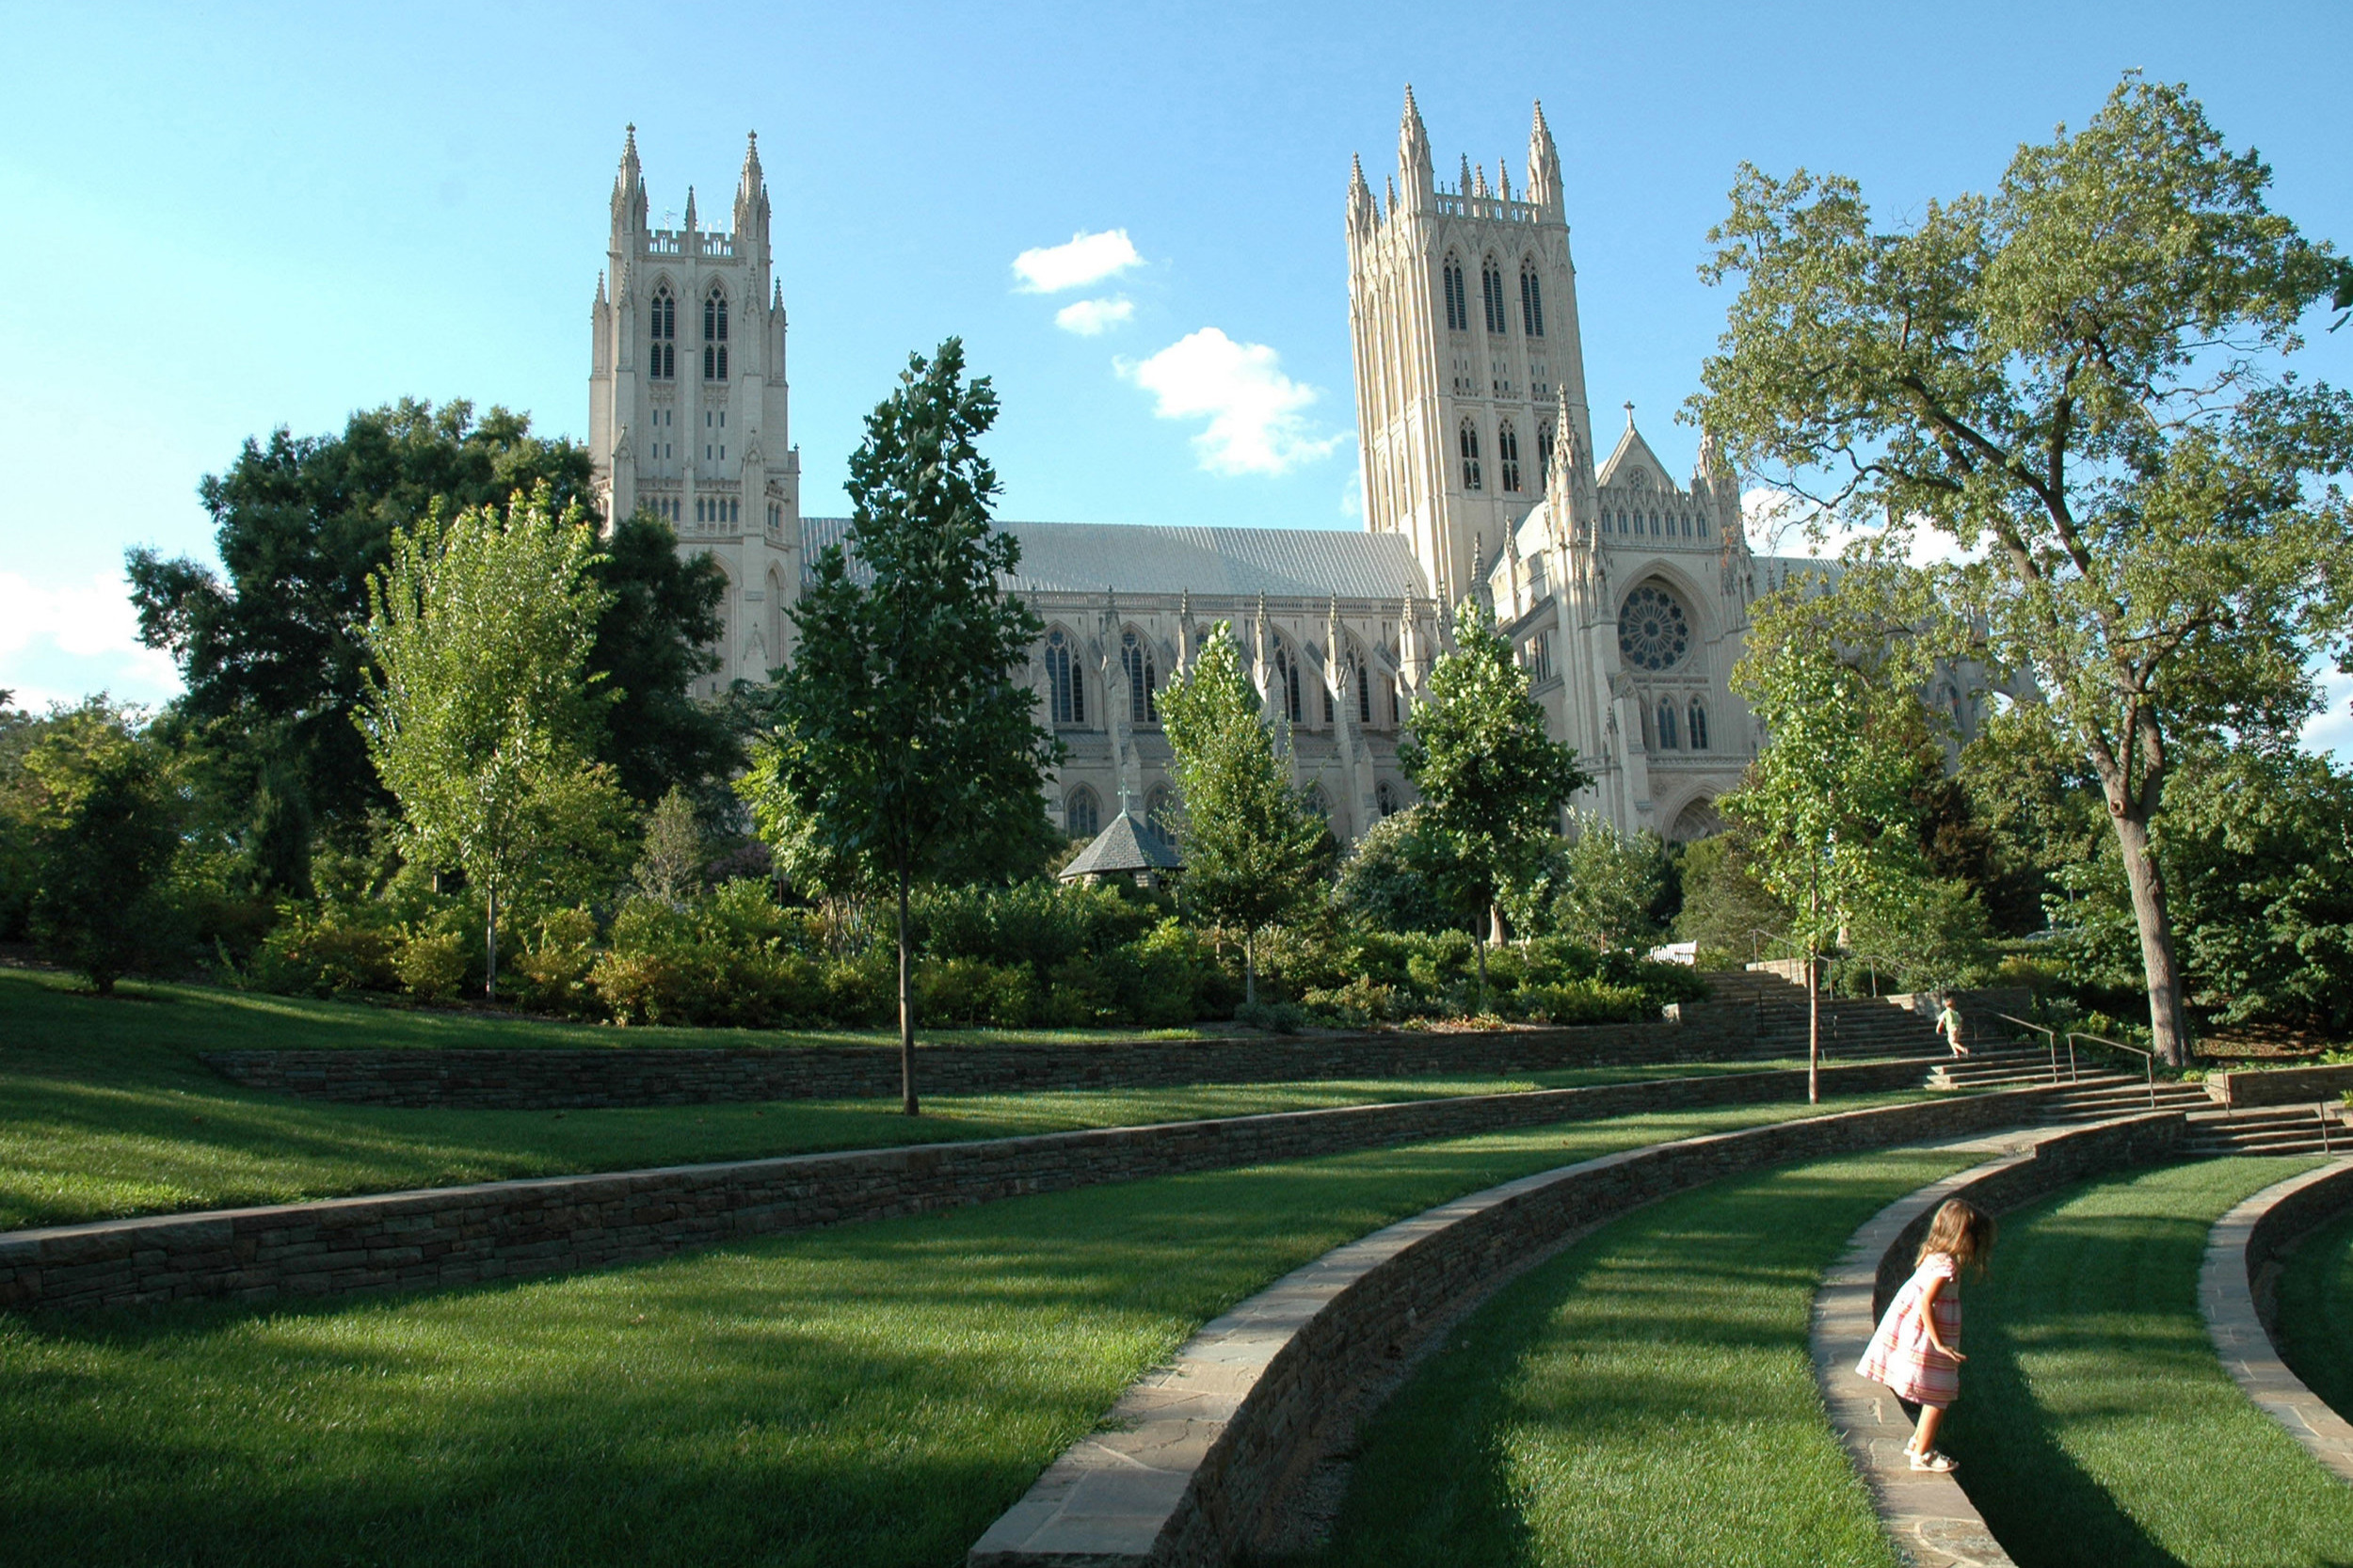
column 566, row 1077
column 506, row 1229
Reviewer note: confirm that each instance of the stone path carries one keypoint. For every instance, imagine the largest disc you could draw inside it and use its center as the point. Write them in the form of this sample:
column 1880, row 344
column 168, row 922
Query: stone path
column 2226, row 1294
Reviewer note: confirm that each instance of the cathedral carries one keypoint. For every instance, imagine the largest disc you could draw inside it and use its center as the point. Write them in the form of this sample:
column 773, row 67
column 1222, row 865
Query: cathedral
column 1626, row 593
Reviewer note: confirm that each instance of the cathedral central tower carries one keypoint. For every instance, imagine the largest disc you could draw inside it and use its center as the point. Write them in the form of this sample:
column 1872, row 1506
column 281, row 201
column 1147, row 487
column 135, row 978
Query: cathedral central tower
column 1462, row 307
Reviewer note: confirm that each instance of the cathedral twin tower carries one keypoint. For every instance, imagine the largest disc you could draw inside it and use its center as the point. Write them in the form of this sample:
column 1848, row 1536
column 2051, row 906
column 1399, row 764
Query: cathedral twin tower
column 1625, row 593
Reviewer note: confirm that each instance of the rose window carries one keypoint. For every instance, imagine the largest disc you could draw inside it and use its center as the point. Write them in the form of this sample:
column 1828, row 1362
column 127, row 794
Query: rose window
column 1654, row 630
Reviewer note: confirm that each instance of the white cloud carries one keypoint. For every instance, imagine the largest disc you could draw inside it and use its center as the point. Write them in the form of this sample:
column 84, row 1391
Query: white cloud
column 1778, row 524
column 1253, row 408
column 1087, row 259
column 60, row 643
column 1092, row 318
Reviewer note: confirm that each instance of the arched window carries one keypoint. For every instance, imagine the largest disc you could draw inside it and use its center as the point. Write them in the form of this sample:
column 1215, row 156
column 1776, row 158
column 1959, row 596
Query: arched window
column 1469, row 443
column 1653, row 525
column 1490, row 290
column 1508, row 454
column 1331, row 706
column 1698, row 725
column 1457, row 297
column 1080, row 816
column 1318, row 803
column 1531, row 301
column 1385, row 798
column 1287, row 683
column 1364, row 695
column 662, row 363
column 1543, row 454
column 1160, row 815
column 1666, row 724
column 1143, row 697
column 1065, row 692
column 714, row 335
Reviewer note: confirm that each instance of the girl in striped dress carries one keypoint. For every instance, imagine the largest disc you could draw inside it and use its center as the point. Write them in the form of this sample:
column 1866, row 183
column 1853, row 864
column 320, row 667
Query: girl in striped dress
column 1916, row 1350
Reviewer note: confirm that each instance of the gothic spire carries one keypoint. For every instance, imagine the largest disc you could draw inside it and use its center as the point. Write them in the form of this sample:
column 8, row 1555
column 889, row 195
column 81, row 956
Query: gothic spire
column 1503, row 179
column 629, row 186
column 751, row 191
column 1362, row 214
column 690, row 209
column 1412, row 157
column 1543, row 164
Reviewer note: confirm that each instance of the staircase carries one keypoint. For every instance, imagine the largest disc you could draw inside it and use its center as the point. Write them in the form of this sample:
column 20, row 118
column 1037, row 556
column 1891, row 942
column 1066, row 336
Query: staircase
column 2097, row 1093
column 1856, row 1028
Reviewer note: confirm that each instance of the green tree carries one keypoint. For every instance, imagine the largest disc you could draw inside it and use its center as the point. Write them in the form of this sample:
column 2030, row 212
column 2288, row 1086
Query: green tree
column 1492, row 782
column 1255, row 850
column 904, row 740
column 1399, row 876
column 97, row 800
column 272, row 645
column 1828, row 805
column 2074, row 371
column 669, row 867
column 479, row 715
column 1727, row 913
column 1614, row 881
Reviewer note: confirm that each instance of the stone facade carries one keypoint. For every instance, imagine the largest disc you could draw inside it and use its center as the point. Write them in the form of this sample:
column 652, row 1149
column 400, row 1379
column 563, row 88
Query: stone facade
column 510, row 1229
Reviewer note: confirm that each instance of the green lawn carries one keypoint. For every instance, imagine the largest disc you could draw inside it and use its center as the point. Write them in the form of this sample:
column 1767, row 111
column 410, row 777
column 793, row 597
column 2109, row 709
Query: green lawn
column 1645, row 1398
column 107, row 1123
column 874, row 1394
column 2315, row 1313
column 2096, row 1425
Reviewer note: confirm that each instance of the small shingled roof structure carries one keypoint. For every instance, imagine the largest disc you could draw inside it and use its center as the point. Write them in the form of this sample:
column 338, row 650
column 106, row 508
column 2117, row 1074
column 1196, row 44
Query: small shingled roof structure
column 1127, row 848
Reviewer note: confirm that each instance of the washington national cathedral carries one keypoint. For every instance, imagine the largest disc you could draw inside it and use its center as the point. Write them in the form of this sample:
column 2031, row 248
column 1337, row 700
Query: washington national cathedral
column 1626, row 593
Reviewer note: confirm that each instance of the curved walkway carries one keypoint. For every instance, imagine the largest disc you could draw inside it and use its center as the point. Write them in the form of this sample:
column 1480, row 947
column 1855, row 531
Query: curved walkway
column 1195, row 1457
column 2241, row 1249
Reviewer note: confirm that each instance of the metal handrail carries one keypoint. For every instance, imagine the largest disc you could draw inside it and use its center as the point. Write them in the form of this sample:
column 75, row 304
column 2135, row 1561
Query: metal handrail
column 2149, row 1058
column 2050, row 1037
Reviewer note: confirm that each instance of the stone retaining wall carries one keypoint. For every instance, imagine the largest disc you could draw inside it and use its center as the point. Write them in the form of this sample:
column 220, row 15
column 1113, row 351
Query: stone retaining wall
column 2235, row 1290
column 2278, row 1086
column 535, row 1077
column 506, row 1229
column 1931, row 1519
column 1192, row 1458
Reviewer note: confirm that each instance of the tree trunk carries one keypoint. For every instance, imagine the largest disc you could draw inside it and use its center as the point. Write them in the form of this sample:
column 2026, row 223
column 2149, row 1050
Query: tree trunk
column 1479, row 946
column 1813, row 1032
column 906, row 1009
column 491, row 942
column 2168, row 1025
column 1249, row 969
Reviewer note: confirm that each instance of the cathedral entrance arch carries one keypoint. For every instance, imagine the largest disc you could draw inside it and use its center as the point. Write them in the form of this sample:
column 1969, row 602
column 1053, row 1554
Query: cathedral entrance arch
column 1698, row 819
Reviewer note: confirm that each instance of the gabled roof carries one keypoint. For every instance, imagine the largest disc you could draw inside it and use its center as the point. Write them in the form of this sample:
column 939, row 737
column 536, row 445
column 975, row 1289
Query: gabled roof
column 1138, row 558
column 1125, row 847
column 1634, row 452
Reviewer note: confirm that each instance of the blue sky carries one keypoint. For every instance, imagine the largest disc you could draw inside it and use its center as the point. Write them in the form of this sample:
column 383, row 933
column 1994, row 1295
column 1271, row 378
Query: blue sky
column 230, row 217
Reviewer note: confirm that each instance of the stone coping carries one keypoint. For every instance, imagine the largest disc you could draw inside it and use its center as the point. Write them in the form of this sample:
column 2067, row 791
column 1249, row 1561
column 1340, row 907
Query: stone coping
column 465, row 1235
column 1194, row 1459
column 2242, row 1253
column 1928, row 1515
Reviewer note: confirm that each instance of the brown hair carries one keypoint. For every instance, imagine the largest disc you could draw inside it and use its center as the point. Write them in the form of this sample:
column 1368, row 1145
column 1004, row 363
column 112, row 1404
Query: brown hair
column 1961, row 1229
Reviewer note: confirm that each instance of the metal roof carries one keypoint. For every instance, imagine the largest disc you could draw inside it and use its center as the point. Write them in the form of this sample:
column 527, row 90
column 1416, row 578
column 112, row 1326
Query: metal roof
column 1124, row 846
column 1138, row 558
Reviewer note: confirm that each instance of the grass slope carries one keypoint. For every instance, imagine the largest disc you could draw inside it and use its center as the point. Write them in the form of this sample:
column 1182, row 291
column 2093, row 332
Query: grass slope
column 2096, row 1426
column 2315, row 1313
column 118, row 1117
column 1647, row 1396
column 874, row 1393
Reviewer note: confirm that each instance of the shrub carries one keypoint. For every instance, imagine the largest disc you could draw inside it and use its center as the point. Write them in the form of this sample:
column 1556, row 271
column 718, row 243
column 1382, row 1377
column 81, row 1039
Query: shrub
column 1584, row 1002
column 325, row 952
column 431, row 964
column 552, row 973
column 1275, row 1018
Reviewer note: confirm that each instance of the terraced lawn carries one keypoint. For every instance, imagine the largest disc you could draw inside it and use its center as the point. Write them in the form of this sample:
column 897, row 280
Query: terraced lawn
column 874, row 1393
column 2096, row 1426
column 2315, row 1313
column 1645, row 1398
column 121, row 1118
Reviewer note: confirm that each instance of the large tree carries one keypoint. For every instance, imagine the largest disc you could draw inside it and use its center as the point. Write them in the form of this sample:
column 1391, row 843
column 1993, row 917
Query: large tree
column 903, row 738
column 271, row 648
column 480, row 715
column 2078, row 374
column 95, row 802
column 1492, row 782
column 1255, row 852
